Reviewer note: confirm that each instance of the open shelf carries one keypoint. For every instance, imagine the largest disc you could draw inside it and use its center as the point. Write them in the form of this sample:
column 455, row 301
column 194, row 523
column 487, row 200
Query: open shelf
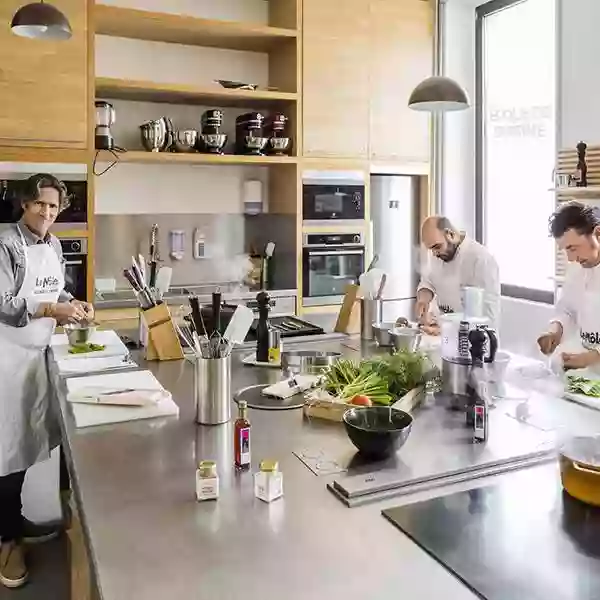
column 142, row 157
column 591, row 191
column 183, row 29
column 148, row 91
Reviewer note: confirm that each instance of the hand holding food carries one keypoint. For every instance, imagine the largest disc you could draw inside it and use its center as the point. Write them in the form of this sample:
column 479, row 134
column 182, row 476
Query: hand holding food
column 548, row 342
column 65, row 312
column 86, row 306
column 581, row 360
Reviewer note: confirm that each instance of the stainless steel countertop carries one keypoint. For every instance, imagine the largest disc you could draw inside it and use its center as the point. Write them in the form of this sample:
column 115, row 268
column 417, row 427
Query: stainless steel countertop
column 179, row 295
column 150, row 539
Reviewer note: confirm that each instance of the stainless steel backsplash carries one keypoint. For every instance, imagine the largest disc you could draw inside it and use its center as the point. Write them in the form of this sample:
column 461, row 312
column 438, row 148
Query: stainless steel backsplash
column 119, row 237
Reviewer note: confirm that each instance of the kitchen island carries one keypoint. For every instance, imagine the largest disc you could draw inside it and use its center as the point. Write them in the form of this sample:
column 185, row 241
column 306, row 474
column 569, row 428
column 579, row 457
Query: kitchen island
column 148, row 537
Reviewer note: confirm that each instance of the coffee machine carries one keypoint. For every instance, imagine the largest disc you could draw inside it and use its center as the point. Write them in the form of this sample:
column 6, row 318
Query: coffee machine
column 212, row 140
column 250, row 135
column 105, row 119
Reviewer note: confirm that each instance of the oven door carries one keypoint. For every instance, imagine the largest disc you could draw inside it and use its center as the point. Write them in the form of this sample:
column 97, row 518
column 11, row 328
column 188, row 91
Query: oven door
column 325, row 202
column 327, row 271
column 76, row 275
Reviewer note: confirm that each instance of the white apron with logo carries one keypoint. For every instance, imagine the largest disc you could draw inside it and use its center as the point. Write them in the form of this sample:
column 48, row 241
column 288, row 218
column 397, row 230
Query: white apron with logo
column 588, row 317
column 28, row 425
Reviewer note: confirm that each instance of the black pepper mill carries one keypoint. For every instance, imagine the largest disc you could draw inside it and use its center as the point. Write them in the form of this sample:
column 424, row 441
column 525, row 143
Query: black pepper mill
column 581, row 171
column 262, row 329
column 477, row 348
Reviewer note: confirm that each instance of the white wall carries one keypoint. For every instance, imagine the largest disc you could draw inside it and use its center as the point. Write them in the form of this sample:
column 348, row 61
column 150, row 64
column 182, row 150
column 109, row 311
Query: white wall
column 168, row 188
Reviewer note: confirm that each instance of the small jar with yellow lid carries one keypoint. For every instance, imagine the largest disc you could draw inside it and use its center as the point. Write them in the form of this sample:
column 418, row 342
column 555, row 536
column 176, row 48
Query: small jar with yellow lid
column 268, row 481
column 207, row 481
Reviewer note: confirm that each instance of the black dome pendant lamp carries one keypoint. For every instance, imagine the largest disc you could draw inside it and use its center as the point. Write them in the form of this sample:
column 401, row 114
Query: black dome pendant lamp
column 42, row 21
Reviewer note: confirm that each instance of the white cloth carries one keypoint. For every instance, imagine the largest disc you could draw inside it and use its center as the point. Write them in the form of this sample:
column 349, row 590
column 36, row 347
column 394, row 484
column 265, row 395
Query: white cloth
column 578, row 306
column 472, row 265
column 28, row 426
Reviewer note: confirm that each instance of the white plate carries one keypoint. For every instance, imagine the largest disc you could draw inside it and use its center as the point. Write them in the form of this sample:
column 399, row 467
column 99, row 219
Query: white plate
column 251, row 361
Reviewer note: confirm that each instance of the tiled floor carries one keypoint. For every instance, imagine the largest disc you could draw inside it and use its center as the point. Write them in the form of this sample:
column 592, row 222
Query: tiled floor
column 48, row 573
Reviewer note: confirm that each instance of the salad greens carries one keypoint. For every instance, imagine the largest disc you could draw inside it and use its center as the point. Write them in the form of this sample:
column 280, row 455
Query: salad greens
column 382, row 379
column 583, row 385
column 85, row 348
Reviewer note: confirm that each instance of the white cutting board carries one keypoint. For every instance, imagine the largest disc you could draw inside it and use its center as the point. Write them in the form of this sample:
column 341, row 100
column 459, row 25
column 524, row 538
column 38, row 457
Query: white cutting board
column 87, row 415
column 108, row 338
column 81, row 366
column 580, row 398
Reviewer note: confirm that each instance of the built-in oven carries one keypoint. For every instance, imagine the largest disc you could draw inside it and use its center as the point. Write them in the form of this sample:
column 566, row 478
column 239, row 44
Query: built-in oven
column 330, row 261
column 75, row 255
column 333, row 195
column 11, row 193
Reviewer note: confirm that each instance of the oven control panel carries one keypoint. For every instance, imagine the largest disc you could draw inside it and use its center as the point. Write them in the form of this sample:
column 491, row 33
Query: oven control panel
column 73, row 245
column 312, row 240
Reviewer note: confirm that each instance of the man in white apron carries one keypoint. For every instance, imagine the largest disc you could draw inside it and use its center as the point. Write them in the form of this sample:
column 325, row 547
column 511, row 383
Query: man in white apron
column 576, row 228
column 457, row 261
column 32, row 299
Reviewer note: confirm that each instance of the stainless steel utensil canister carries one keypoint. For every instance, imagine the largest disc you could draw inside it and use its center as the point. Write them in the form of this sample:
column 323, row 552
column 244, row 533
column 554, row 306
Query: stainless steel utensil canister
column 212, row 390
column 371, row 311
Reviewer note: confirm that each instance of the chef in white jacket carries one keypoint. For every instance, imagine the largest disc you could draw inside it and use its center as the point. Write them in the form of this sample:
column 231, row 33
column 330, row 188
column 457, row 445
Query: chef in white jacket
column 576, row 228
column 32, row 300
column 457, row 261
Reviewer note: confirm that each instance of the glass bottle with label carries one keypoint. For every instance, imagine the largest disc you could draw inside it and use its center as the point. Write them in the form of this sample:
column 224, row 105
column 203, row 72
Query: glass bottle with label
column 241, row 442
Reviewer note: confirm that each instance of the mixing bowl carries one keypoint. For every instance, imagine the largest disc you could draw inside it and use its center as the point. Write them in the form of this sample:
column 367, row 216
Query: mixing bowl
column 377, row 431
column 308, row 362
column 79, row 334
column 406, row 338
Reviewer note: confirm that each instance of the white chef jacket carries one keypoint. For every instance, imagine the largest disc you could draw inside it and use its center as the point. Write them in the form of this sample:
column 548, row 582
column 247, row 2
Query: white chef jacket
column 578, row 306
column 472, row 265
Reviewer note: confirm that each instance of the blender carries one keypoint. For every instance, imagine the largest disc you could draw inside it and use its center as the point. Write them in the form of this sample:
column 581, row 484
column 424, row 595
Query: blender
column 105, row 119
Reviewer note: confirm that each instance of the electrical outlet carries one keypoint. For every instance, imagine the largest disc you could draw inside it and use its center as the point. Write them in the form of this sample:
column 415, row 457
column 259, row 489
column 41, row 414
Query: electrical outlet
column 199, row 245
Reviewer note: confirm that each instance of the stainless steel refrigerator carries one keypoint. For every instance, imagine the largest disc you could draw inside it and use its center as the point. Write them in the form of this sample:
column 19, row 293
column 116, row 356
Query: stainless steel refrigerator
column 395, row 222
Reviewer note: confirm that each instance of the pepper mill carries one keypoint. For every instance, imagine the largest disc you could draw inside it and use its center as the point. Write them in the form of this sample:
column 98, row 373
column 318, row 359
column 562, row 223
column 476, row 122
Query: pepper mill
column 581, row 172
column 262, row 328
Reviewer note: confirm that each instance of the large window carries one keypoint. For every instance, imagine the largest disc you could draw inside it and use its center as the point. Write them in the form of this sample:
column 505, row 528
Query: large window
column 516, row 141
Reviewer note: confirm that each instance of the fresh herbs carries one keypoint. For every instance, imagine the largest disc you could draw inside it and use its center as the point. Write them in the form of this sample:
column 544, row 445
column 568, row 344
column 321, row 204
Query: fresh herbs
column 583, row 385
column 85, row 348
column 382, row 379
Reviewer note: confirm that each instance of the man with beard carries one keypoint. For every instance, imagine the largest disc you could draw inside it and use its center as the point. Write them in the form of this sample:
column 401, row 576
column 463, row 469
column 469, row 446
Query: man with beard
column 576, row 228
column 458, row 261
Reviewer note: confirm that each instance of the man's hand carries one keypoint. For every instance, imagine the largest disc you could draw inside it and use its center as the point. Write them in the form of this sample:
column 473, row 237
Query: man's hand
column 431, row 328
column 424, row 299
column 581, row 360
column 549, row 341
column 65, row 312
column 86, row 306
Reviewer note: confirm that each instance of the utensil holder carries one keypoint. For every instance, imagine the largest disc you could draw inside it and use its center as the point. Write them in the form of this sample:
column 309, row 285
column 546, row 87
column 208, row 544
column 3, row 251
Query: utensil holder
column 371, row 311
column 212, row 390
column 163, row 341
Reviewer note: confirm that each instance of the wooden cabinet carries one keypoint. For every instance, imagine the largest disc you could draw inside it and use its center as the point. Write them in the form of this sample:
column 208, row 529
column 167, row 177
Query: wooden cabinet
column 362, row 59
column 336, row 78
column 44, row 84
column 401, row 57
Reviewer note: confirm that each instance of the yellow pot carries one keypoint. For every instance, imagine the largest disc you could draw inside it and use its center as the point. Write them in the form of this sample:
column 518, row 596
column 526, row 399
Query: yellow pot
column 580, row 469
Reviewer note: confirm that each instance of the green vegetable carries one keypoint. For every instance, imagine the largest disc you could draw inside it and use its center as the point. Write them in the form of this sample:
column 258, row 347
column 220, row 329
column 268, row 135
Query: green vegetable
column 382, row 379
column 85, row 348
column 583, row 385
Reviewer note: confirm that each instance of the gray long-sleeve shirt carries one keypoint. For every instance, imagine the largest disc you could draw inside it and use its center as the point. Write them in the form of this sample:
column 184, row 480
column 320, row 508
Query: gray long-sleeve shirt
column 15, row 311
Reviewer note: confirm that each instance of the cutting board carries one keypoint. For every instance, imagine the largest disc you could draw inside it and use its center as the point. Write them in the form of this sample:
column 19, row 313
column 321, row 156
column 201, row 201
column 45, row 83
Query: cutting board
column 82, row 366
column 109, row 338
column 88, row 415
column 580, row 398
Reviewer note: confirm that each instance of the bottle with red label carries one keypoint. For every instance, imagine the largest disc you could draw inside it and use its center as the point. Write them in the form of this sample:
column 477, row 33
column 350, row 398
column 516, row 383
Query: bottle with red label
column 241, row 440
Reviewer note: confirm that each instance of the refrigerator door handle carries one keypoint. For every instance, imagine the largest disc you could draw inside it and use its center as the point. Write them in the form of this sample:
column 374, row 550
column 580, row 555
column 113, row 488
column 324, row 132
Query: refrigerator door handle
column 336, row 252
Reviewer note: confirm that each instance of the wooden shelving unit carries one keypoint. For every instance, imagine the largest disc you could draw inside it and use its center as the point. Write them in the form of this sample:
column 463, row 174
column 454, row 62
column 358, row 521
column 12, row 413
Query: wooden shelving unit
column 192, row 158
column 193, row 31
column 149, row 91
column 591, row 191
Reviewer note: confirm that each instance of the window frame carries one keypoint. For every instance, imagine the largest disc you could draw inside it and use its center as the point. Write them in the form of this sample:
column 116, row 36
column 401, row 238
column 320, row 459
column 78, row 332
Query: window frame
column 481, row 12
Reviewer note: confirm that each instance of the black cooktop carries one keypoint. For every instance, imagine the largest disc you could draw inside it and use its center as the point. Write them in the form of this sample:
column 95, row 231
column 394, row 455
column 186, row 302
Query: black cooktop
column 523, row 539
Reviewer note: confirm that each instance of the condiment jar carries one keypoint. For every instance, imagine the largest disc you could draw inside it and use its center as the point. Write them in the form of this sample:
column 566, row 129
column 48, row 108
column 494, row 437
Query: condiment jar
column 207, row 481
column 268, row 482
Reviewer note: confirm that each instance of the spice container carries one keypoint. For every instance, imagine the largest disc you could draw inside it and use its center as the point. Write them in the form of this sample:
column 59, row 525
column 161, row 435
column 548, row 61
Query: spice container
column 207, row 481
column 275, row 346
column 241, row 442
column 268, row 482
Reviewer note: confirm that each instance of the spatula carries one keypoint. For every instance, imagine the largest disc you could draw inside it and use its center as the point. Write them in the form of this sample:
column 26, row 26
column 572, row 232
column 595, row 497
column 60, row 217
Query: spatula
column 239, row 325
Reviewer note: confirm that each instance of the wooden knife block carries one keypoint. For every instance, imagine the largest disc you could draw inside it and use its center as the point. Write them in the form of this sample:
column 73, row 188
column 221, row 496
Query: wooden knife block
column 348, row 320
column 163, row 341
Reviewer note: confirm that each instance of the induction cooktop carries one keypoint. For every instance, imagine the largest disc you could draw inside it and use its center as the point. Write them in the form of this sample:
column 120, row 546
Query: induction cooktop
column 522, row 539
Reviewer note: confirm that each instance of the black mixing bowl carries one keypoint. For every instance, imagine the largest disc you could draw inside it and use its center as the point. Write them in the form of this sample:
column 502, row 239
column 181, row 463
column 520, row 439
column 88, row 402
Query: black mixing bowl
column 377, row 431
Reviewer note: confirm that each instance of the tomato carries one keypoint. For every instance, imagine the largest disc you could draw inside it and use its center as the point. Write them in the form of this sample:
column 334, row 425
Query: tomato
column 361, row 400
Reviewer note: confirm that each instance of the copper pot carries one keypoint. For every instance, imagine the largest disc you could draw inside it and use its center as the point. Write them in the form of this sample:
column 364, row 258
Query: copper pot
column 580, row 469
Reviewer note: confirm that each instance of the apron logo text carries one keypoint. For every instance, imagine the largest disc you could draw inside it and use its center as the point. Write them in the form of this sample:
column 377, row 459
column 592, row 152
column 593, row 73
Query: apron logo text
column 590, row 338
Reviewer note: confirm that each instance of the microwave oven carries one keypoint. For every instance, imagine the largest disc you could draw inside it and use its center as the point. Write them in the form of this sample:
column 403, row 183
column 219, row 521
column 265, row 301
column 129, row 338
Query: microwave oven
column 328, row 196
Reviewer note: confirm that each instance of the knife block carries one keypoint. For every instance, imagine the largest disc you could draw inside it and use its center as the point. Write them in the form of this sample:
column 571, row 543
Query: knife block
column 163, row 341
column 348, row 320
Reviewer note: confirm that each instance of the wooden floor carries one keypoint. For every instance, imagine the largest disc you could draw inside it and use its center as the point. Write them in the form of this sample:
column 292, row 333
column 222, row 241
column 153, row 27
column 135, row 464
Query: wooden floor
column 49, row 573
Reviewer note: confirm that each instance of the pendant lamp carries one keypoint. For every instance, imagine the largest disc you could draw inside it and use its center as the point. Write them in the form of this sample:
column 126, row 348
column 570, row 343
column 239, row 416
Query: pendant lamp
column 39, row 20
column 438, row 94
